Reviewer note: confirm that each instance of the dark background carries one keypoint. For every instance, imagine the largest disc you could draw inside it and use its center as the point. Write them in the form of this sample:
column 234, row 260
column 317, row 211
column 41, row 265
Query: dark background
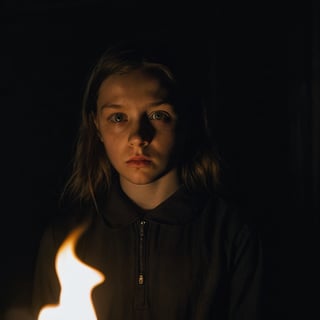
column 264, row 61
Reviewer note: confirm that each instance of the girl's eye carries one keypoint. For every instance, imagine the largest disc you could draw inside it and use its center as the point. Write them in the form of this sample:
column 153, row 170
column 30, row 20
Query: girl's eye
column 117, row 117
column 160, row 115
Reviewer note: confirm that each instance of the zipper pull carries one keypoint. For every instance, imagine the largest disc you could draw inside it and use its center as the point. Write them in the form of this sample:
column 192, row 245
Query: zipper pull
column 141, row 279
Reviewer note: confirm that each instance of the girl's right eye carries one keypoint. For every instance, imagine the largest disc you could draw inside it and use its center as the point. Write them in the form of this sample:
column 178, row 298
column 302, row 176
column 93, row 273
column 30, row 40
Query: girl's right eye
column 117, row 117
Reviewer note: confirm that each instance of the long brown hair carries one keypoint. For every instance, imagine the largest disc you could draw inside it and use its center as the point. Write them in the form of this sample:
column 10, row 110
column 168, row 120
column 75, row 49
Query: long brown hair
column 92, row 173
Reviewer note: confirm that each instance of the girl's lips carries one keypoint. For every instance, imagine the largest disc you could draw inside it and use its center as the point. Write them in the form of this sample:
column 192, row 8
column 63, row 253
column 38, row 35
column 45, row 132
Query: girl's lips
column 138, row 162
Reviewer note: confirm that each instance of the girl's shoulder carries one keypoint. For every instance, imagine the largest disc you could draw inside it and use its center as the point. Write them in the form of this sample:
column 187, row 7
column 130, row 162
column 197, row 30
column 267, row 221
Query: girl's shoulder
column 67, row 219
column 229, row 217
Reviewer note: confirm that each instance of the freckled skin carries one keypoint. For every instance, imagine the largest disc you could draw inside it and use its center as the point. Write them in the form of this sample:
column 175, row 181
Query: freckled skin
column 133, row 119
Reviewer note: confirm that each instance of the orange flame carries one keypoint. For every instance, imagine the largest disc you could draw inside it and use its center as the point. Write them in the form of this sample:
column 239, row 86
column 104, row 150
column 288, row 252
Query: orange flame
column 77, row 281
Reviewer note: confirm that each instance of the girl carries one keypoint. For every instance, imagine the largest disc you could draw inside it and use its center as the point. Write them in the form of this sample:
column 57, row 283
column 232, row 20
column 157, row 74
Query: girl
column 144, row 180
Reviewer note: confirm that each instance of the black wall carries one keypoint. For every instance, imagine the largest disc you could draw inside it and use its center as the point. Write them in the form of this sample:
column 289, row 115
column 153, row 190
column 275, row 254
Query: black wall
column 264, row 66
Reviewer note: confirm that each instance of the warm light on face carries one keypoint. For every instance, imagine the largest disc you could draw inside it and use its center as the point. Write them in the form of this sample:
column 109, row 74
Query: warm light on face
column 137, row 126
column 77, row 281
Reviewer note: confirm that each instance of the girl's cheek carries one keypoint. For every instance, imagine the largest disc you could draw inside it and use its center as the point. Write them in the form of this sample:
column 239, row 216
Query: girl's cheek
column 113, row 129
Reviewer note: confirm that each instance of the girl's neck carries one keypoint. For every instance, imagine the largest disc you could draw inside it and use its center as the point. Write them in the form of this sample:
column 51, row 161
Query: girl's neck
column 149, row 196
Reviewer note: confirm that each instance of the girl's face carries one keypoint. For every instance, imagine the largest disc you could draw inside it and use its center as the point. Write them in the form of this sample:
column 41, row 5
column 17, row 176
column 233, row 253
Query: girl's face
column 137, row 126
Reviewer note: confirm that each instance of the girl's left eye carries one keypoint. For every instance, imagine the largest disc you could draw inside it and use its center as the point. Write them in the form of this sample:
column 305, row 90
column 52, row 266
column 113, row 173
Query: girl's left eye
column 117, row 117
column 160, row 115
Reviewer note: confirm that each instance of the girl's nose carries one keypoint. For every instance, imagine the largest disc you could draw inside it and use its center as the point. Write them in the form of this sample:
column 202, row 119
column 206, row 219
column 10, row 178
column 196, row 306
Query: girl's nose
column 141, row 132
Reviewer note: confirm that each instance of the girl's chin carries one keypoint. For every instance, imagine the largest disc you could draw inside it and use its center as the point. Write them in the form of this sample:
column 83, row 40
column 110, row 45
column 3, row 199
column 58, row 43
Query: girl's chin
column 139, row 181
column 145, row 177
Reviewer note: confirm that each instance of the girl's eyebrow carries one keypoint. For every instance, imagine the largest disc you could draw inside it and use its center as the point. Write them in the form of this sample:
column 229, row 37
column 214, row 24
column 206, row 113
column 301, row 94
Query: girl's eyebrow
column 119, row 106
column 158, row 103
column 110, row 106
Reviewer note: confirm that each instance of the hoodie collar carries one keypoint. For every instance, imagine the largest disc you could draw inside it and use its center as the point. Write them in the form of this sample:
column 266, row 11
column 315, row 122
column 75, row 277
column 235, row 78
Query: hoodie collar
column 180, row 208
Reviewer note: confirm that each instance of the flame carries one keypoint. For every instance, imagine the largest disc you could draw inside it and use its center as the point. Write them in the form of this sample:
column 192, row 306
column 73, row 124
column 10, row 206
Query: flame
column 77, row 281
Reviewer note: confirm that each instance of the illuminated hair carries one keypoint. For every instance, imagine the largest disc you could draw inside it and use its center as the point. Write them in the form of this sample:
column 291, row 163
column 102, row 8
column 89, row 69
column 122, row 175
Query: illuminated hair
column 198, row 167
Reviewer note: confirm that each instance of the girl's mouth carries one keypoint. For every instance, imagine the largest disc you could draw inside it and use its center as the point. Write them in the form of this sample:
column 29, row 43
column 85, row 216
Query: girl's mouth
column 138, row 162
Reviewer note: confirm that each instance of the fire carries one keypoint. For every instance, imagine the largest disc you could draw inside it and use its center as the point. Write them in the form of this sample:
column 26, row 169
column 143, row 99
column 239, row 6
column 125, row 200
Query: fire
column 77, row 280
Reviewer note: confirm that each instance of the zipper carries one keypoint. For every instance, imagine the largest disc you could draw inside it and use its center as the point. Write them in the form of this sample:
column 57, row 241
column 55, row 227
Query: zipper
column 141, row 277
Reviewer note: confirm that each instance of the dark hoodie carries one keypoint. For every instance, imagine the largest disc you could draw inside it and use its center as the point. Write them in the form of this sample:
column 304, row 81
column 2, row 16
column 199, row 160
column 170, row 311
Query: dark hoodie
column 191, row 258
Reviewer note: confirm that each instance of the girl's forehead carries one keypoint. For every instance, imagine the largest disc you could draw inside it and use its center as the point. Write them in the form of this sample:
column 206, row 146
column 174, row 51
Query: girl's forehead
column 137, row 81
column 131, row 77
column 133, row 85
